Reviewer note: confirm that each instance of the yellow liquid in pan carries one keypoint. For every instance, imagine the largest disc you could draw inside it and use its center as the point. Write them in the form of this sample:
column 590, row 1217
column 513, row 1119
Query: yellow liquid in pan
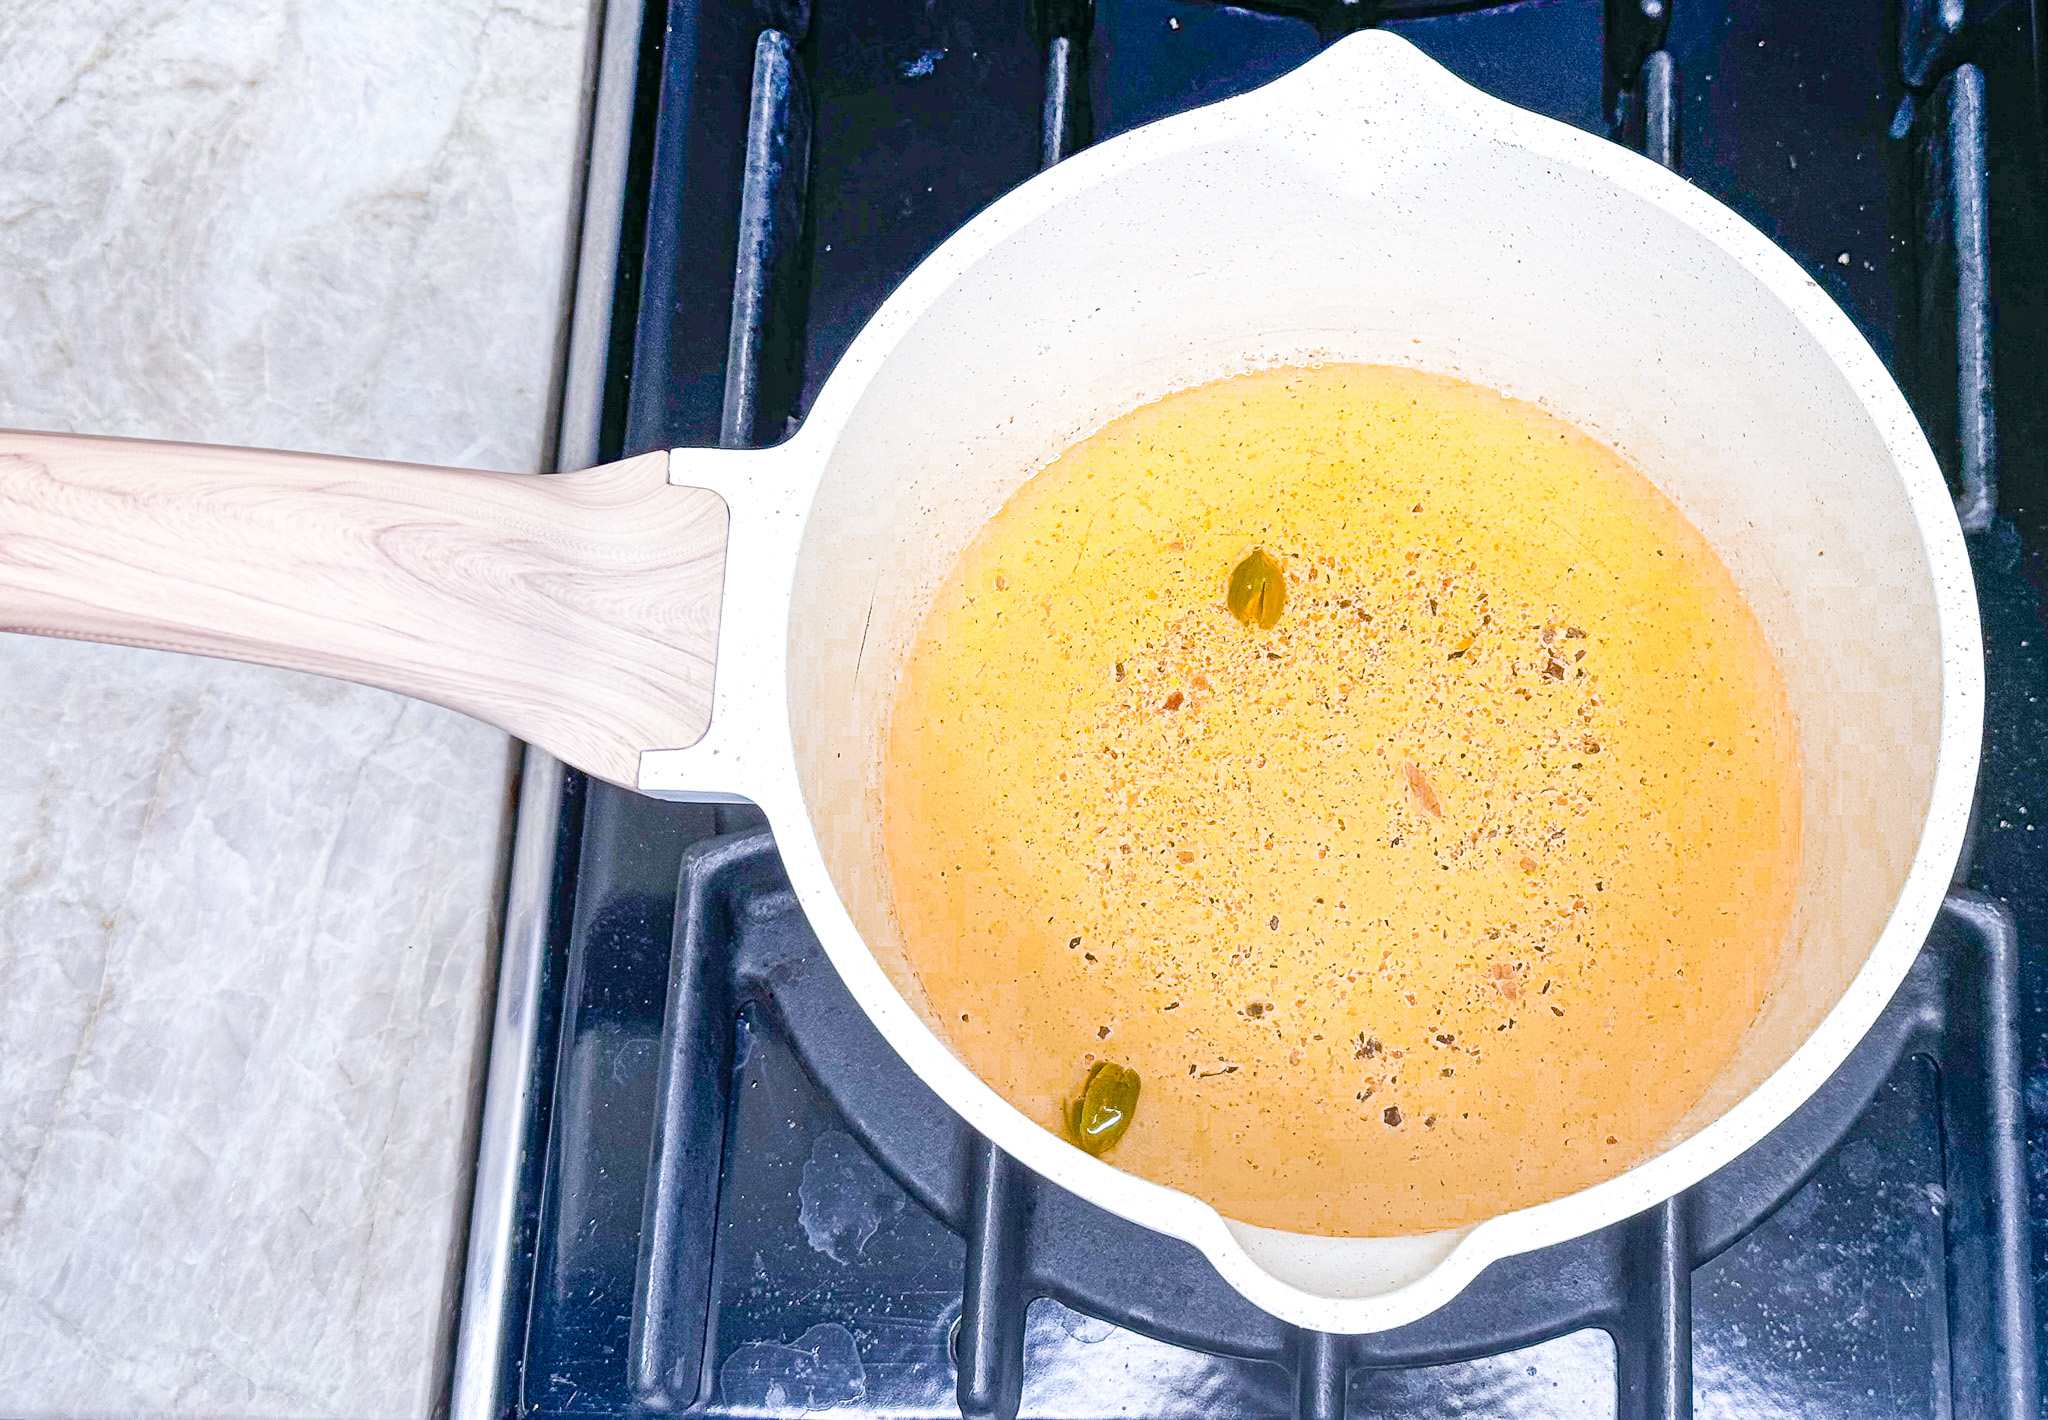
column 1446, row 895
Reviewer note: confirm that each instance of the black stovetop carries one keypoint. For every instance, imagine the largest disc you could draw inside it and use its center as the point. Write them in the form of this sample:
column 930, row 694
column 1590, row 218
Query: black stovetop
column 808, row 1229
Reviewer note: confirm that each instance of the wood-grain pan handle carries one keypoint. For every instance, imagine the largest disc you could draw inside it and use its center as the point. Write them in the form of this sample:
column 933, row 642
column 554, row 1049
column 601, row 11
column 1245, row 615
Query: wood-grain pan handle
column 578, row 611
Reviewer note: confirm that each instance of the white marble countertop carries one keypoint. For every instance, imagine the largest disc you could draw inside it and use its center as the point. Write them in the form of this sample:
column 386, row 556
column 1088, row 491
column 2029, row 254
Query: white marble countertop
column 247, row 917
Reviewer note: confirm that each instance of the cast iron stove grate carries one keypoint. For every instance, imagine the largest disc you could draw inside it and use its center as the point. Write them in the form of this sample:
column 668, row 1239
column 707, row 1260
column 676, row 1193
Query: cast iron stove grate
column 738, row 1201
column 745, row 963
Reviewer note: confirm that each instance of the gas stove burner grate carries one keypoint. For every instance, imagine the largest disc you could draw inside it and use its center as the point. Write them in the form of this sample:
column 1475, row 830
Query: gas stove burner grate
column 808, row 1224
column 743, row 950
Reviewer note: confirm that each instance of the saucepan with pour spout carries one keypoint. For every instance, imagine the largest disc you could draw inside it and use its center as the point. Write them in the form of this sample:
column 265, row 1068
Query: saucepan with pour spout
column 717, row 624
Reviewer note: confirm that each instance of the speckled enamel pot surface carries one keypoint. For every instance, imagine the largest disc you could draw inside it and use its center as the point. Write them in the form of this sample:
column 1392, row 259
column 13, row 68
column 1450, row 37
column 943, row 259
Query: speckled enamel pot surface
column 1369, row 207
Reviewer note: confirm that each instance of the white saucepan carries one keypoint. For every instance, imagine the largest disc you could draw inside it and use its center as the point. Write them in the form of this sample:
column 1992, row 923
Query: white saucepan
column 1368, row 207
